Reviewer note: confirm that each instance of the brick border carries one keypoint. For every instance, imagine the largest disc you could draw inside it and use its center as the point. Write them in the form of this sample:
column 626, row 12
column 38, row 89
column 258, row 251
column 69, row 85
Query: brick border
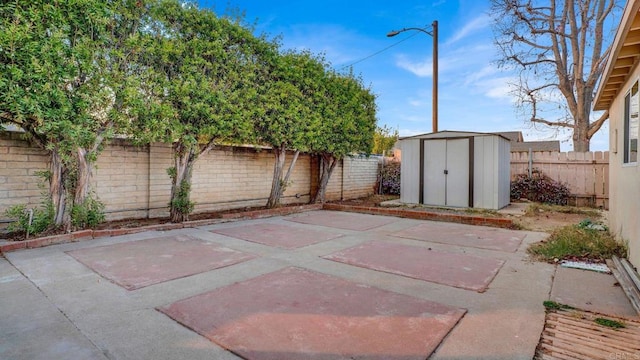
column 94, row 234
column 257, row 214
column 425, row 215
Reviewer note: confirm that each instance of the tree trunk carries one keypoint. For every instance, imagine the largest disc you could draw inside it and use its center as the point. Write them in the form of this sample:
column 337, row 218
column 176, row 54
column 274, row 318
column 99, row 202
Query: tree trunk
column 83, row 177
column 180, row 203
column 280, row 154
column 580, row 136
column 580, row 144
column 328, row 163
column 57, row 190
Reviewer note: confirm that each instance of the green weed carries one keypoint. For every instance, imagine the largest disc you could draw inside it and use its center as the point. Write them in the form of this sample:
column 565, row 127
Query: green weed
column 609, row 323
column 552, row 305
column 571, row 242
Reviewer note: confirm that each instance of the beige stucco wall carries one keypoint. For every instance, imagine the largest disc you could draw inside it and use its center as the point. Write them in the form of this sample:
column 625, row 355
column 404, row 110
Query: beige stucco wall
column 624, row 180
column 132, row 181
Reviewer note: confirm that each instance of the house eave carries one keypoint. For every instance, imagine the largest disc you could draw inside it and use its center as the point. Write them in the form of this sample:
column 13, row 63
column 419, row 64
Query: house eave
column 622, row 59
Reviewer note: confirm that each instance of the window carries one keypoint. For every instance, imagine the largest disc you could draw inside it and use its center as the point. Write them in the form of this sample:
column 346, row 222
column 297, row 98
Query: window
column 631, row 122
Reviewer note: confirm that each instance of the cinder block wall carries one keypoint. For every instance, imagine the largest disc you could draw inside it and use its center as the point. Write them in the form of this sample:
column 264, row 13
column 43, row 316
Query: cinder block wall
column 359, row 179
column 19, row 164
column 132, row 181
column 352, row 178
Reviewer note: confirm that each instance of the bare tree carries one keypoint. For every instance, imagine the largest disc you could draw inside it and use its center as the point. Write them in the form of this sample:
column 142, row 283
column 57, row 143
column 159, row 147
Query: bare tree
column 560, row 51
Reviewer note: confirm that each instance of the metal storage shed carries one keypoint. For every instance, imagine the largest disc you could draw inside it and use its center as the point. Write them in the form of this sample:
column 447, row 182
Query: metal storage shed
column 456, row 169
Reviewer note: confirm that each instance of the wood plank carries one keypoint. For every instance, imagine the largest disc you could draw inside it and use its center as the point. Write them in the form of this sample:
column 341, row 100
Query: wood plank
column 620, row 340
column 596, row 339
column 571, row 348
column 627, row 284
column 570, row 335
column 589, row 323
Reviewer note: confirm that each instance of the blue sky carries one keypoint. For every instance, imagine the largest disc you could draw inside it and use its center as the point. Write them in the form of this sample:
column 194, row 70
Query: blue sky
column 473, row 93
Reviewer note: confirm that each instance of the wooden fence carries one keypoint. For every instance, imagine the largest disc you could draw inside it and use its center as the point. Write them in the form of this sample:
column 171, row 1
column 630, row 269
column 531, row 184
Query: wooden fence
column 585, row 173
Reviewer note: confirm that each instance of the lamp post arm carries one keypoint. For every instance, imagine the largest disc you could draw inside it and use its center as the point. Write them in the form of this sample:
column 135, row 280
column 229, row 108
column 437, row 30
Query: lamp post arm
column 407, row 29
column 434, row 34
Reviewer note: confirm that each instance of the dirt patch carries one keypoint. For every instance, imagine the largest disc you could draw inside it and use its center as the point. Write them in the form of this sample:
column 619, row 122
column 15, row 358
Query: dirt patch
column 370, row 201
column 547, row 221
column 547, row 218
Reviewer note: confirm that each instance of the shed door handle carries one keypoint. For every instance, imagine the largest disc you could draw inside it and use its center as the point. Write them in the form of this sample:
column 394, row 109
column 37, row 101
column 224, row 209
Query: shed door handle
column 446, row 172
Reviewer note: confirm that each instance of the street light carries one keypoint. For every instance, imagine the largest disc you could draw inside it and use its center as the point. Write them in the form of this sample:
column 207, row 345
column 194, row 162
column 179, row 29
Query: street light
column 434, row 34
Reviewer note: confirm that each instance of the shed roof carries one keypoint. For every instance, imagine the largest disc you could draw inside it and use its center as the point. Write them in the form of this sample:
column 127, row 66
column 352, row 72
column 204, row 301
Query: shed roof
column 514, row 136
column 624, row 56
column 449, row 134
column 552, row 145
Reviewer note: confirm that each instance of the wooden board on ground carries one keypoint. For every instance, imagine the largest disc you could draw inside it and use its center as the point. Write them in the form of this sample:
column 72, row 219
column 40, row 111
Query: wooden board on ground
column 574, row 334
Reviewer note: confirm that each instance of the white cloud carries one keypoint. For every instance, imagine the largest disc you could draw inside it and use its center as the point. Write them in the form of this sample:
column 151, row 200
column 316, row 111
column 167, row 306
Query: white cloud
column 339, row 44
column 493, row 83
column 499, row 88
column 416, row 102
column 473, row 26
column 410, row 132
column 419, row 68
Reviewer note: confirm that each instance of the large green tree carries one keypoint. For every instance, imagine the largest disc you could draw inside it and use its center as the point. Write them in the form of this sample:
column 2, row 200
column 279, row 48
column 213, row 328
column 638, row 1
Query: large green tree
column 65, row 79
column 287, row 107
column 198, row 68
column 348, row 111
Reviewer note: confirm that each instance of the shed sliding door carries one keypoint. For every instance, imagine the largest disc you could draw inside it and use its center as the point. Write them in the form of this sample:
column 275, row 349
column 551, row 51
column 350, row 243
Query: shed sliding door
column 447, row 172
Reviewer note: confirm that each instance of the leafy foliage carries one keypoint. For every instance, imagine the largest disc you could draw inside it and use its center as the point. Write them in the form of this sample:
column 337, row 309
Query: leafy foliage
column 540, row 188
column 349, row 112
column 384, row 139
column 286, row 108
column 65, row 80
column 390, row 177
column 197, row 82
column 75, row 72
column 87, row 214
column 41, row 219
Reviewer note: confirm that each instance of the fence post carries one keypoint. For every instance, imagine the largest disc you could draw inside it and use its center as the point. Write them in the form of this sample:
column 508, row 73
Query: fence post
column 530, row 163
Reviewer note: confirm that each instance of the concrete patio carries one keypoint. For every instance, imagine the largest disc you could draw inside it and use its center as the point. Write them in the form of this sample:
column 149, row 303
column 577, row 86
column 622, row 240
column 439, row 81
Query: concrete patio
column 314, row 285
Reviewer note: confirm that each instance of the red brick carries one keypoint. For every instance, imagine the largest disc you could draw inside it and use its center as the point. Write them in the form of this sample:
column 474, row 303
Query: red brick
column 203, row 222
column 37, row 243
column 14, row 245
column 161, row 227
column 82, row 234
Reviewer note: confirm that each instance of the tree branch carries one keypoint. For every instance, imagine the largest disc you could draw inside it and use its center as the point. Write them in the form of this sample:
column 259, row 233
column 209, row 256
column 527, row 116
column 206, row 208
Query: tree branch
column 210, row 144
column 552, row 123
column 529, row 63
column 596, row 125
column 5, row 116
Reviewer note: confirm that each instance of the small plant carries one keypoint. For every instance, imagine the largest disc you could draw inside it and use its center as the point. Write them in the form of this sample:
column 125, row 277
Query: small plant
column 610, row 323
column 589, row 224
column 389, row 175
column 574, row 242
column 88, row 214
column 552, row 305
column 181, row 200
column 30, row 223
column 33, row 221
column 540, row 188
